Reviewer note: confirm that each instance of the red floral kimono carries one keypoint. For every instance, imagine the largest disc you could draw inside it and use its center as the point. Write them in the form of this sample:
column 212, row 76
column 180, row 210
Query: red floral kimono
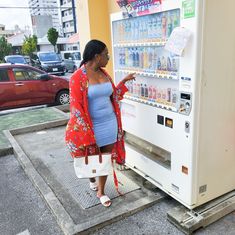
column 79, row 131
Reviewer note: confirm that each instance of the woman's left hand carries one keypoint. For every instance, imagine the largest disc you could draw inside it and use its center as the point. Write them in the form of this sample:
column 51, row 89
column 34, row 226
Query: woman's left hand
column 129, row 77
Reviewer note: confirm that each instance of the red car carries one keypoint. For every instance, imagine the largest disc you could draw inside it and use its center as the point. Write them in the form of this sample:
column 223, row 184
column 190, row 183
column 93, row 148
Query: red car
column 23, row 85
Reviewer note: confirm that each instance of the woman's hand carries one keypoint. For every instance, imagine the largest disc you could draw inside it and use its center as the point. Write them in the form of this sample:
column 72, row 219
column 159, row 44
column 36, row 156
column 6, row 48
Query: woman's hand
column 129, row 77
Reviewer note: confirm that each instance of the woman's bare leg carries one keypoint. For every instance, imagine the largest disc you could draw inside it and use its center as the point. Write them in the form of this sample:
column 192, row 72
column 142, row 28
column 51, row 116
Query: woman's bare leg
column 102, row 179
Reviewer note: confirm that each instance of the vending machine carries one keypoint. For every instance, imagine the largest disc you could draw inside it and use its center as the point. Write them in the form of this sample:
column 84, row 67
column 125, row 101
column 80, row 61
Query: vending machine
column 179, row 113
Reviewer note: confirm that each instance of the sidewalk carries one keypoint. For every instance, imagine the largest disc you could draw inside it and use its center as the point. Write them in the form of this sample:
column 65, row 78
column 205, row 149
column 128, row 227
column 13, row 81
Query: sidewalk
column 38, row 141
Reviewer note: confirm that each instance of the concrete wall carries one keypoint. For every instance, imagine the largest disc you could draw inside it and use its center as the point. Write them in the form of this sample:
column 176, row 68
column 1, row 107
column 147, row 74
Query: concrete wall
column 94, row 23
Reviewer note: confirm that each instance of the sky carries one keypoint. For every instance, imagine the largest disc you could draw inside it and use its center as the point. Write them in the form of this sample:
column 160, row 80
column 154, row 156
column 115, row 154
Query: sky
column 11, row 17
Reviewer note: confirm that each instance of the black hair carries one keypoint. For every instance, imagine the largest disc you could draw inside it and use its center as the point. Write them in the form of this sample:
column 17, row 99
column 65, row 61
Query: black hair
column 92, row 48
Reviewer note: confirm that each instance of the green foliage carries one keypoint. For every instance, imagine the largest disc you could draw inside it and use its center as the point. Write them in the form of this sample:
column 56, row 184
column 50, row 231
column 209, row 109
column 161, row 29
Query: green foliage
column 29, row 45
column 52, row 36
column 5, row 48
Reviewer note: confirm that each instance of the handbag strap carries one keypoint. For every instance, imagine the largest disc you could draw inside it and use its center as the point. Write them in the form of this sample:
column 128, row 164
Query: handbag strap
column 86, row 155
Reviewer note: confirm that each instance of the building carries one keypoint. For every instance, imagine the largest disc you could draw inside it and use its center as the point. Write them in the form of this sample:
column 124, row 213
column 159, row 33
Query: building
column 49, row 8
column 41, row 24
column 68, row 14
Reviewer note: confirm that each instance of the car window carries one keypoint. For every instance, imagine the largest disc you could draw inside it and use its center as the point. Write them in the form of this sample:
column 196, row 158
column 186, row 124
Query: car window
column 26, row 74
column 77, row 55
column 67, row 55
column 15, row 60
column 4, row 75
column 49, row 57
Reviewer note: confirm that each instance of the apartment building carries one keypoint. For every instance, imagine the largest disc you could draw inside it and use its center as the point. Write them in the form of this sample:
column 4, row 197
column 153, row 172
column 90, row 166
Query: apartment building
column 68, row 15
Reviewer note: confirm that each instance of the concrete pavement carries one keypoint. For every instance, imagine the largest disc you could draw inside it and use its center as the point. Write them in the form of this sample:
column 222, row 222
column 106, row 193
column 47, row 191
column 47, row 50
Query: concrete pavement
column 41, row 152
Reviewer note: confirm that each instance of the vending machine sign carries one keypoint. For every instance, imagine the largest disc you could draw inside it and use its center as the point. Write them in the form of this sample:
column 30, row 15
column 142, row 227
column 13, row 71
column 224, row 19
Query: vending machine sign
column 140, row 7
column 188, row 8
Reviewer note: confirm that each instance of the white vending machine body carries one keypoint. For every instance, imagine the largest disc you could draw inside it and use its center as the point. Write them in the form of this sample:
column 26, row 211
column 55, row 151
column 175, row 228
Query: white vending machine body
column 179, row 113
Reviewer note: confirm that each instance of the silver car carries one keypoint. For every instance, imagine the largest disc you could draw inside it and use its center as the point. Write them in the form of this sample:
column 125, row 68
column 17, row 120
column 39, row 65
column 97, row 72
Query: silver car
column 71, row 59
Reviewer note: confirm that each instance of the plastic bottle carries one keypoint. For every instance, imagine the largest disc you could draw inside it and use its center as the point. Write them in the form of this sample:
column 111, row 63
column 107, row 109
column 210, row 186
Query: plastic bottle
column 176, row 18
column 164, row 63
column 137, row 58
column 169, row 66
column 150, row 93
column 146, row 95
column 134, row 88
column 150, row 59
column 142, row 90
column 150, row 29
column 145, row 61
column 164, row 25
column 138, row 90
column 155, row 59
column 126, row 57
column 120, row 57
column 174, row 96
column 141, row 58
column 133, row 58
column 159, row 26
column 131, row 87
column 174, row 65
column 159, row 65
column 168, row 97
column 154, row 93
column 169, row 24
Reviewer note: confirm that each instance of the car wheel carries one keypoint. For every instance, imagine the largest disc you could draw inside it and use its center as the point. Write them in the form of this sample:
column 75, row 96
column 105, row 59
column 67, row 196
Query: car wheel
column 74, row 68
column 62, row 97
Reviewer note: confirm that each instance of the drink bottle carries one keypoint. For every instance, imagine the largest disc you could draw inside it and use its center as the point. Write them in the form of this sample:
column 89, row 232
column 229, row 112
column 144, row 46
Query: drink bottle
column 169, row 24
column 168, row 97
column 150, row 59
column 145, row 91
column 141, row 58
column 164, row 25
column 169, row 66
column 154, row 93
column 142, row 90
column 155, row 59
column 159, row 26
column 150, row 92
column 138, row 90
column 137, row 58
column 159, row 65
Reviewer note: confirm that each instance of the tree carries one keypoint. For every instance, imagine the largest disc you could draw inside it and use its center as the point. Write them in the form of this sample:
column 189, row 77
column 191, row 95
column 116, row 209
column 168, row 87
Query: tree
column 30, row 45
column 52, row 36
column 5, row 48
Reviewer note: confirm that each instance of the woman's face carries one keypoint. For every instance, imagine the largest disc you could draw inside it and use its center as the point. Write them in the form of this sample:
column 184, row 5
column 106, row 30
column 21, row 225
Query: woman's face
column 104, row 57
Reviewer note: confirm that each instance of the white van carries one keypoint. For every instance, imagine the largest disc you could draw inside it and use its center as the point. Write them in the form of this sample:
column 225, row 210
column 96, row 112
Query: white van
column 71, row 59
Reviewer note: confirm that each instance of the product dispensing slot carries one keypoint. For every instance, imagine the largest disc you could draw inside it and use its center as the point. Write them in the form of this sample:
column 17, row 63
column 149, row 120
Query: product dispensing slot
column 153, row 152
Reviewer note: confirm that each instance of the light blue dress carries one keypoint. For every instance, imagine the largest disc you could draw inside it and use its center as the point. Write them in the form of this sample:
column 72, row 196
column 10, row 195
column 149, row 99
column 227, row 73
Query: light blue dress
column 102, row 113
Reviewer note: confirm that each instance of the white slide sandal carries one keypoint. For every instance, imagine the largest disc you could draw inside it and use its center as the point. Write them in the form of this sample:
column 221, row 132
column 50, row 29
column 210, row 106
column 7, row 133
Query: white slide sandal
column 105, row 201
column 93, row 186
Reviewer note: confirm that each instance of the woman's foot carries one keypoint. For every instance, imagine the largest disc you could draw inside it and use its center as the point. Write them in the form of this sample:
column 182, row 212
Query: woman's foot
column 93, row 186
column 105, row 200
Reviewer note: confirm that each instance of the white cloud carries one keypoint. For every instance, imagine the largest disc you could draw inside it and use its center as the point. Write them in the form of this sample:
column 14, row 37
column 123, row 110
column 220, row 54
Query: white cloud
column 10, row 17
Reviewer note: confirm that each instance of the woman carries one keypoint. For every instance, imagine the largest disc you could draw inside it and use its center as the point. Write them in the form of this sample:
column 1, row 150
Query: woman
column 95, row 115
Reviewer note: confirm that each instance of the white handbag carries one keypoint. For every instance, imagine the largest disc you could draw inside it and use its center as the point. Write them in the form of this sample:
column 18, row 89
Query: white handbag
column 92, row 166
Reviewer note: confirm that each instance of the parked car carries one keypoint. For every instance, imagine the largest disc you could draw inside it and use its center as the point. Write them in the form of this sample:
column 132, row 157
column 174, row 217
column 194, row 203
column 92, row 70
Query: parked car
column 72, row 60
column 50, row 62
column 15, row 59
column 27, row 59
column 24, row 85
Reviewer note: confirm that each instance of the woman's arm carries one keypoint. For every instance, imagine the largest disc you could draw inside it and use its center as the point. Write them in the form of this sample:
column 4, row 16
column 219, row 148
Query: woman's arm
column 121, row 87
column 79, row 118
